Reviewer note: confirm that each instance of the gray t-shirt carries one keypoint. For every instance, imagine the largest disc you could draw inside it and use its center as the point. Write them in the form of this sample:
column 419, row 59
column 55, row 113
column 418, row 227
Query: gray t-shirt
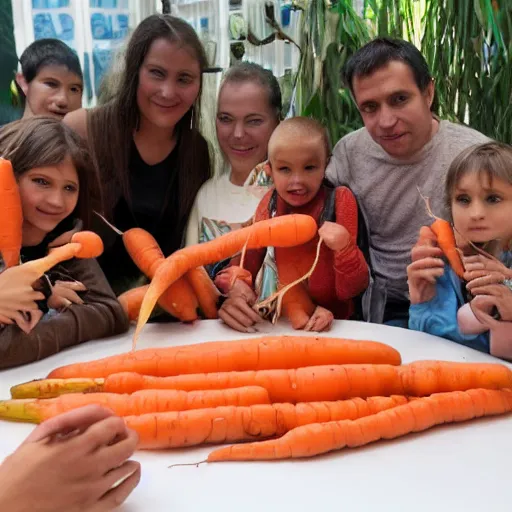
column 387, row 190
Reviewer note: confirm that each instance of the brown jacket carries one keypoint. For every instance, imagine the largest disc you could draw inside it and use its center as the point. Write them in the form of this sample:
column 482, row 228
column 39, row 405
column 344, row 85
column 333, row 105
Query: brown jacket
column 100, row 316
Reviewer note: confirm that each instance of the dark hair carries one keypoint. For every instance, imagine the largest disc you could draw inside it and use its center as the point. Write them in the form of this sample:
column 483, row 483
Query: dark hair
column 112, row 125
column 41, row 141
column 47, row 52
column 251, row 72
column 491, row 159
column 381, row 51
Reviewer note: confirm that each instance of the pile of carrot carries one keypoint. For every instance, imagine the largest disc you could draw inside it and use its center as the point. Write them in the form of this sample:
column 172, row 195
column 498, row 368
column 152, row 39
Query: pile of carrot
column 281, row 396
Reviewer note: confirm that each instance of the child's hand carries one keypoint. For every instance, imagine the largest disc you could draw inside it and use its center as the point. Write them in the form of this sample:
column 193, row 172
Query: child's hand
column 482, row 271
column 335, row 236
column 64, row 293
column 425, row 268
column 237, row 311
column 489, row 296
column 70, row 463
column 321, row 320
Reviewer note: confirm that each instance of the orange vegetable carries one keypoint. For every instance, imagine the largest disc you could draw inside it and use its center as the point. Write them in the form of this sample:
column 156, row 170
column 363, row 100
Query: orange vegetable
column 446, row 242
column 11, row 217
column 232, row 424
column 205, row 291
column 92, row 244
column 131, row 301
column 262, row 353
column 416, row 416
column 283, row 231
column 141, row 402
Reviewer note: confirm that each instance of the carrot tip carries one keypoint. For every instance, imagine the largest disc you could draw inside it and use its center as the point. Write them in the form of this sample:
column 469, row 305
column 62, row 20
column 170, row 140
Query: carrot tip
column 196, row 464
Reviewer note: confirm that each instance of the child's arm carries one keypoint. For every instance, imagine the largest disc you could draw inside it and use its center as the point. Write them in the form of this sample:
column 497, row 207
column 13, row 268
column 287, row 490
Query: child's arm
column 100, row 315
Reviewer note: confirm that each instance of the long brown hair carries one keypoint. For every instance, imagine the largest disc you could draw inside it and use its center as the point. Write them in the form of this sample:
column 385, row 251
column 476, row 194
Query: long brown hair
column 42, row 141
column 110, row 127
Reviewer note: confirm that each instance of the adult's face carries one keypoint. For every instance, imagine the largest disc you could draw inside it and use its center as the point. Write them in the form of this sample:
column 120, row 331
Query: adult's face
column 395, row 111
column 245, row 122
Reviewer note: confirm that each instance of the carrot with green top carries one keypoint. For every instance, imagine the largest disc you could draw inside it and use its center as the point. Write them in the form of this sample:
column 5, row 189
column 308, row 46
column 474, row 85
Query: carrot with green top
column 416, row 416
column 268, row 352
column 140, row 402
column 234, row 424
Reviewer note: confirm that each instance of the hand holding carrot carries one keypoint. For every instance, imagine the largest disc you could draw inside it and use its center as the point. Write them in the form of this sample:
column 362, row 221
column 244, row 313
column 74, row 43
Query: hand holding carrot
column 70, row 463
column 321, row 320
column 425, row 268
column 335, row 236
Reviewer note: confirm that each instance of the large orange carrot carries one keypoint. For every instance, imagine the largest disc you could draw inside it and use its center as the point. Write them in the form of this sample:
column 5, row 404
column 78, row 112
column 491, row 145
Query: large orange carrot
column 131, row 301
column 92, row 244
column 416, row 416
column 232, row 424
column 446, row 241
column 262, row 353
column 11, row 224
column 140, row 402
column 308, row 384
column 205, row 291
column 283, row 231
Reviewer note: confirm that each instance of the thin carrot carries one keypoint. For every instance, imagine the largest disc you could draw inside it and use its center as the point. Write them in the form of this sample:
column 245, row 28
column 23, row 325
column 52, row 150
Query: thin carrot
column 283, row 231
column 446, row 242
column 12, row 216
column 268, row 352
column 233, row 424
column 205, row 291
column 307, row 384
column 416, row 416
column 131, row 301
column 140, row 402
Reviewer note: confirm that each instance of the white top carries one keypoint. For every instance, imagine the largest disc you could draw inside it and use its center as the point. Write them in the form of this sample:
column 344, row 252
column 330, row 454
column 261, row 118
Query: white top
column 461, row 467
column 220, row 206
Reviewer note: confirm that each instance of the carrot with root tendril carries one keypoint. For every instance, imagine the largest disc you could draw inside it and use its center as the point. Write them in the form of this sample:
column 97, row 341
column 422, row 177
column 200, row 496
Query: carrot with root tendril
column 416, row 416
column 11, row 224
column 283, row 231
column 267, row 352
column 140, row 402
column 234, row 424
column 206, row 292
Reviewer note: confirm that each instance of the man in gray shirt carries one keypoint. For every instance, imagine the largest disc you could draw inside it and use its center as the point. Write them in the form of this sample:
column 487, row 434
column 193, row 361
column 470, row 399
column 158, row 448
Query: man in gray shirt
column 403, row 149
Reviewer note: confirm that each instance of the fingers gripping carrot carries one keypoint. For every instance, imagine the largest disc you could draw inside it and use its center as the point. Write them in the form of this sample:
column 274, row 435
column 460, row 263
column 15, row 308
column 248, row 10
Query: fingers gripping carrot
column 283, row 231
column 416, row 416
column 12, row 216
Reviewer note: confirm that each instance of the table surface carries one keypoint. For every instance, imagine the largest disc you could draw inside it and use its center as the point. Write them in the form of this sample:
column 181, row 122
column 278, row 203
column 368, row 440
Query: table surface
column 453, row 467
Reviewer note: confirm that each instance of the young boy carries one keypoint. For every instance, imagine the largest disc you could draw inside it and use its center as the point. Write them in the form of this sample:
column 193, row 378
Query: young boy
column 50, row 81
column 298, row 154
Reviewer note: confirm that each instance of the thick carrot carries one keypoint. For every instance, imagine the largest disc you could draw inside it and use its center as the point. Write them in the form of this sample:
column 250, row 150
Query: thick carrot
column 12, row 216
column 140, row 402
column 268, row 352
column 446, row 242
column 205, row 291
column 131, row 301
column 308, row 384
column 232, row 424
column 416, row 416
column 92, row 244
column 283, row 231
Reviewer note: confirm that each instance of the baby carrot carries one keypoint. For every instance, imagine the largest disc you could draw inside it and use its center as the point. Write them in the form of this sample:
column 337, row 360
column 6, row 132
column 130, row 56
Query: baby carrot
column 416, row 416
column 262, row 353
column 140, row 402
column 233, row 424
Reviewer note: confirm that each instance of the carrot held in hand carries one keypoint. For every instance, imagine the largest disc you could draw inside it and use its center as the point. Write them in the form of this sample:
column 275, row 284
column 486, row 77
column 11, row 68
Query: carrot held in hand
column 416, row 416
column 140, row 402
column 233, row 424
column 283, row 231
column 446, row 242
column 267, row 352
column 11, row 216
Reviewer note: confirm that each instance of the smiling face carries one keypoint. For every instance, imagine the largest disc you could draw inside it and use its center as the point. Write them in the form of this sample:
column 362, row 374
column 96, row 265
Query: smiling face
column 48, row 195
column 169, row 84
column 395, row 112
column 54, row 91
column 297, row 166
column 245, row 122
column 482, row 207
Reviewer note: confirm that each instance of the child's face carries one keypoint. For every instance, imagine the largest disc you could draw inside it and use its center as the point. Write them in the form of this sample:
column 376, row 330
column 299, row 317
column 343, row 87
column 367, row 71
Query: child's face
column 297, row 167
column 482, row 209
column 48, row 195
column 54, row 92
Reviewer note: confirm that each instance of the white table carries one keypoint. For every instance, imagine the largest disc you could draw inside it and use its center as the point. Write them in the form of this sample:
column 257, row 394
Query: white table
column 454, row 467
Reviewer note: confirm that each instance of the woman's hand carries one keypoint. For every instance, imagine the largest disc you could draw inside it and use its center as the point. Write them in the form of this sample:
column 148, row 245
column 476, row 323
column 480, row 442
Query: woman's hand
column 489, row 296
column 425, row 268
column 335, row 236
column 64, row 293
column 321, row 320
column 483, row 271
